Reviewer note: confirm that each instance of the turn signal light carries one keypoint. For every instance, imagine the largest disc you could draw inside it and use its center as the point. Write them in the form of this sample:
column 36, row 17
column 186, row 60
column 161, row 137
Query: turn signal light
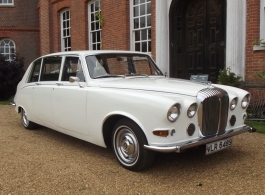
column 161, row 133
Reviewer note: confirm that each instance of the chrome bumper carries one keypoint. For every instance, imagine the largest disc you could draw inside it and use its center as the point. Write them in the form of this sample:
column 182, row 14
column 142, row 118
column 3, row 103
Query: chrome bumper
column 12, row 103
column 201, row 141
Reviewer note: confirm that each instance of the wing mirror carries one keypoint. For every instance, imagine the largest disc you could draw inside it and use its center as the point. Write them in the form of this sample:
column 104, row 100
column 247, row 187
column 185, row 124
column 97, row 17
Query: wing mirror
column 75, row 79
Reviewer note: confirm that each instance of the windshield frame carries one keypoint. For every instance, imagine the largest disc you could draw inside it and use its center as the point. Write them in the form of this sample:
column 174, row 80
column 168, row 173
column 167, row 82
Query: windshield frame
column 107, row 74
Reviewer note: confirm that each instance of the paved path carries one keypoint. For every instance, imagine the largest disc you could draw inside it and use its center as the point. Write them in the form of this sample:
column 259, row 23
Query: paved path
column 47, row 162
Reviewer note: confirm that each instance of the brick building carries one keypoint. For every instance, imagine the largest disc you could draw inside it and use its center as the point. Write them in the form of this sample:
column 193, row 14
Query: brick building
column 183, row 36
column 19, row 28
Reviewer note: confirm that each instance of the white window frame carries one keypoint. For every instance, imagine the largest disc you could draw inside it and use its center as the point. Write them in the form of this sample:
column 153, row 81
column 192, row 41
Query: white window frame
column 262, row 19
column 65, row 37
column 7, row 3
column 262, row 26
column 96, row 43
column 140, row 29
column 10, row 48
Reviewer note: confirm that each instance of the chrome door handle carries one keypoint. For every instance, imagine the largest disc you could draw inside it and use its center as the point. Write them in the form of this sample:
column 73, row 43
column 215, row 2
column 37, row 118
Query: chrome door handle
column 38, row 83
column 59, row 84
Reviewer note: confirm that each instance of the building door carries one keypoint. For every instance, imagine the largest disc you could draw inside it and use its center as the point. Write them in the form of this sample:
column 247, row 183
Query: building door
column 197, row 38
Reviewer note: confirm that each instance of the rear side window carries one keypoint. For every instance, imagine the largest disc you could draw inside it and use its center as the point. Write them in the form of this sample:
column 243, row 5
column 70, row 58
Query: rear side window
column 51, row 68
column 34, row 77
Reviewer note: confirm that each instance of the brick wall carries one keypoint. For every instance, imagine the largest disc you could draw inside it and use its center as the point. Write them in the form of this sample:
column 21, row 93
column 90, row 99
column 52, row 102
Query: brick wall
column 21, row 24
column 115, row 29
column 255, row 60
column 44, row 12
column 23, row 14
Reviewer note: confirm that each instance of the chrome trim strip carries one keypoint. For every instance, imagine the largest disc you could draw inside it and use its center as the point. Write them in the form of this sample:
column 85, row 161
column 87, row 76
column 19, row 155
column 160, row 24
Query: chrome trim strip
column 200, row 141
column 220, row 114
column 209, row 93
column 12, row 103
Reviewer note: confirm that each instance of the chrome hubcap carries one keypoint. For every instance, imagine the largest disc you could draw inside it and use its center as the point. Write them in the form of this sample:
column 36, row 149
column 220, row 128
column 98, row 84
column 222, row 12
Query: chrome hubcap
column 24, row 118
column 126, row 146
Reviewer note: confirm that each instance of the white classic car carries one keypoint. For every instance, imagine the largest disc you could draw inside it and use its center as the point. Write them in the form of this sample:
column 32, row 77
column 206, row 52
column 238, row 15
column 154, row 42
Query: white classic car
column 121, row 99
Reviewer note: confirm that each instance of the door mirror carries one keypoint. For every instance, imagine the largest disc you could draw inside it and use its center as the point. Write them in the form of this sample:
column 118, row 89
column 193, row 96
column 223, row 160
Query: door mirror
column 75, row 79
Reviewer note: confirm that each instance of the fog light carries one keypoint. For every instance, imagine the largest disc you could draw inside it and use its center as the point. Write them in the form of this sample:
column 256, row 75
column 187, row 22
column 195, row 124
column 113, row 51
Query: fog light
column 172, row 132
column 232, row 120
column 190, row 129
column 245, row 116
column 161, row 133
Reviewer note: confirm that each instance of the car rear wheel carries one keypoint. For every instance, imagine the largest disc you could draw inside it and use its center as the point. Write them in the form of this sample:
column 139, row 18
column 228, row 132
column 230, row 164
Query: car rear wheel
column 27, row 123
column 128, row 142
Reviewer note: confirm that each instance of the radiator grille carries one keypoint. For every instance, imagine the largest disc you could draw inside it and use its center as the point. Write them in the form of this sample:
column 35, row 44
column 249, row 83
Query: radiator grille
column 213, row 111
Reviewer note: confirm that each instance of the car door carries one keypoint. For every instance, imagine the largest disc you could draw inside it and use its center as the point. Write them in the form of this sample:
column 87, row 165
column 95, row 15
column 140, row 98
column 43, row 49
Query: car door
column 42, row 91
column 69, row 99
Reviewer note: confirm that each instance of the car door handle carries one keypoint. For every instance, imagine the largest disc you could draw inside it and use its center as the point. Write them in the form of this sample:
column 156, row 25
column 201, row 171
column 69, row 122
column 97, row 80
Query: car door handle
column 59, row 84
column 38, row 83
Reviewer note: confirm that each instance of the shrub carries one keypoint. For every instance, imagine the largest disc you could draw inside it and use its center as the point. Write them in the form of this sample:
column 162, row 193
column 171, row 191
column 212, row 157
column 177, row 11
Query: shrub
column 226, row 77
column 10, row 75
column 260, row 75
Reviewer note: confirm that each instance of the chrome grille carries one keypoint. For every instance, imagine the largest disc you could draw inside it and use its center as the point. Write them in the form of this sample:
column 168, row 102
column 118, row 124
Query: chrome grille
column 213, row 111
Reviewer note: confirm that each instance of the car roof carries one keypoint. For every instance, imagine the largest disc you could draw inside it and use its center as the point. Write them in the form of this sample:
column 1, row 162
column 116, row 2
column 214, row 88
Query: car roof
column 93, row 52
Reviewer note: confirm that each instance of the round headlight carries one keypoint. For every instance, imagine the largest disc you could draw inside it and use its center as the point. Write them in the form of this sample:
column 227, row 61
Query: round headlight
column 192, row 110
column 233, row 103
column 173, row 113
column 245, row 101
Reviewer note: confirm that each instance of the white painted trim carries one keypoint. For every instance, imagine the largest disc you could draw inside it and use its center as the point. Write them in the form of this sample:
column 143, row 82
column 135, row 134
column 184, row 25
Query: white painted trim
column 236, row 36
column 132, row 30
column 262, row 19
column 162, row 34
column 7, row 4
column 61, row 22
column 131, row 25
column 90, row 45
column 262, row 26
column 258, row 48
column 14, row 47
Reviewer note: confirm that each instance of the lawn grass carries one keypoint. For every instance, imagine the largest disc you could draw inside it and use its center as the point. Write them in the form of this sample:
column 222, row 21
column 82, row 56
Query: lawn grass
column 259, row 125
column 4, row 102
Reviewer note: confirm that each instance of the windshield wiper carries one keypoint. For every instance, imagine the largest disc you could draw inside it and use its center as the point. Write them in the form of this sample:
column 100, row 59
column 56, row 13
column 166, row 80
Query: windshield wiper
column 126, row 75
column 135, row 74
column 108, row 76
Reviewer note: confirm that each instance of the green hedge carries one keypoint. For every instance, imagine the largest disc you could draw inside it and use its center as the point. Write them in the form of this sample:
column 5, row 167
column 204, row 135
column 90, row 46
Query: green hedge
column 10, row 75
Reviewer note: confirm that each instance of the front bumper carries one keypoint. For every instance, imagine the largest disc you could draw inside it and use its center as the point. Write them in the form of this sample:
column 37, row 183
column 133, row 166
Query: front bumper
column 200, row 141
column 12, row 102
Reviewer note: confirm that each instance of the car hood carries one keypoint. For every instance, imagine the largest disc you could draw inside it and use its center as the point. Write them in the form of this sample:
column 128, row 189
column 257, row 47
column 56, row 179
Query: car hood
column 158, row 84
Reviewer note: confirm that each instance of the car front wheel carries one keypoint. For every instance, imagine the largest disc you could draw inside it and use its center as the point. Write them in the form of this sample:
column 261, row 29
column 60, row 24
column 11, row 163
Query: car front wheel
column 128, row 142
column 27, row 123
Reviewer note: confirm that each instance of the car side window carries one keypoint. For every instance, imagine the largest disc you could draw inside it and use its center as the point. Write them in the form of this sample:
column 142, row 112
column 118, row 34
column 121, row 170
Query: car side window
column 72, row 67
column 34, row 77
column 51, row 68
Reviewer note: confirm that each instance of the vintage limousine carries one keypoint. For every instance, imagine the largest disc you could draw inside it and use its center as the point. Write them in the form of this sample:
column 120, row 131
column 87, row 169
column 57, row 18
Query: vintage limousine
column 121, row 99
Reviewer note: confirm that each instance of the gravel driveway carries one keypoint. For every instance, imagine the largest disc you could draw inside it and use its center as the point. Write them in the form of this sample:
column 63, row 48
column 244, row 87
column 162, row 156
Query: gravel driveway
column 47, row 162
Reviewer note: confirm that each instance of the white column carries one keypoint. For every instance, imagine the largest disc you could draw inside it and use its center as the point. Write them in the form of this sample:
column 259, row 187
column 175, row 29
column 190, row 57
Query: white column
column 262, row 19
column 236, row 36
column 162, row 34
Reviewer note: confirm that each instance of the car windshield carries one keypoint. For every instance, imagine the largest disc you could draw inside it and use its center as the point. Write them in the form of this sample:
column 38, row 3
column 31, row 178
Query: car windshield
column 115, row 65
